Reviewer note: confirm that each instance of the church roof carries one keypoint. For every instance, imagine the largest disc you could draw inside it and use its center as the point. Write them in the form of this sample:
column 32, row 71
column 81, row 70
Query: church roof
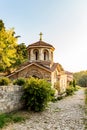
column 28, row 64
column 58, row 66
column 40, row 44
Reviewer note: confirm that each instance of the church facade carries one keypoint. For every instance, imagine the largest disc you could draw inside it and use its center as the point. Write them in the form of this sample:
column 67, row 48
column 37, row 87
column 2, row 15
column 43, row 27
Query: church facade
column 41, row 65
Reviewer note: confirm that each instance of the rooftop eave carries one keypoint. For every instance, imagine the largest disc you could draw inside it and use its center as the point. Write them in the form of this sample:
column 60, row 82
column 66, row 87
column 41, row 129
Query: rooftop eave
column 30, row 47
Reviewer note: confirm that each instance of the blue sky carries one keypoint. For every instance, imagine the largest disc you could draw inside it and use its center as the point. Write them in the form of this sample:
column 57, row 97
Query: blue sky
column 62, row 22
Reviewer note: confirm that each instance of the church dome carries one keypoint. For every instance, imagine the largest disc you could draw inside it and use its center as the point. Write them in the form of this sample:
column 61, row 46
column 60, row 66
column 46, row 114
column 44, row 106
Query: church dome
column 41, row 44
column 40, row 51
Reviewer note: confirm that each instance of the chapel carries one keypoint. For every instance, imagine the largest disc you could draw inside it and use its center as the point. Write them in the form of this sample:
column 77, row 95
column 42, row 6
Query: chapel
column 41, row 65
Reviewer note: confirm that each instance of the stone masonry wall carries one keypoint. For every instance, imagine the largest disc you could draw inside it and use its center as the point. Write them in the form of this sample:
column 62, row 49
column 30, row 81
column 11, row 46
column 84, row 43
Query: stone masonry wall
column 10, row 98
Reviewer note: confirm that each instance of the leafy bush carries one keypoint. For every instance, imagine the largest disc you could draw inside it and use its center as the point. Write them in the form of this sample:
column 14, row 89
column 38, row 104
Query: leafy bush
column 4, row 81
column 37, row 93
column 69, row 90
column 20, row 81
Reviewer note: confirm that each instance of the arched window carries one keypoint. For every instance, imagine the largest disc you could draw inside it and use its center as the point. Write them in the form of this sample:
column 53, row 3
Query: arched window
column 36, row 54
column 46, row 55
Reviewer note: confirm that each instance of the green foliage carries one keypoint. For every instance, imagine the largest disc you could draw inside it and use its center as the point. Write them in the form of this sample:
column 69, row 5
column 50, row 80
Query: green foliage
column 69, row 90
column 7, row 48
column 74, row 83
column 1, row 25
column 16, row 119
column 12, row 54
column 52, row 93
column 8, row 118
column 72, row 88
column 3, row 120
column 21, row 54
column 2, row 68
column 20, row 81
column 37, row 93
column 83, row 80
column 4, row 81
column 78, row 75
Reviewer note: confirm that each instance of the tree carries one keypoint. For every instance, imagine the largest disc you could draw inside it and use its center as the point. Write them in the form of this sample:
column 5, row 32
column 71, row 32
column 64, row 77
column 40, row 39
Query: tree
column 83, row 80
column 12, row 54
column 21, row 53
column 78, row 76
column 1, row 25
column 8, row 44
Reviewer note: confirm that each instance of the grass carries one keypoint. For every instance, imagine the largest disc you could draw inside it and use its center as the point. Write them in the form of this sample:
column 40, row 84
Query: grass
column 5, row 119
column 86, row 108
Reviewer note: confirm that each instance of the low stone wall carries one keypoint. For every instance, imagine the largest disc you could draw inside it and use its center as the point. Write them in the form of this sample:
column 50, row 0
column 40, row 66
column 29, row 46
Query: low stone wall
column 10, row 98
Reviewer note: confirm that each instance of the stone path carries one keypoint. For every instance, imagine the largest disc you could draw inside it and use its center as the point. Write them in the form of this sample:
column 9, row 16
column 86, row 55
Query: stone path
column 66, row 114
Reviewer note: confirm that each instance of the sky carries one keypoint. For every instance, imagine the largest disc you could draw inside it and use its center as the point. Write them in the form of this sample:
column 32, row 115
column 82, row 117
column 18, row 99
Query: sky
column 62, row 22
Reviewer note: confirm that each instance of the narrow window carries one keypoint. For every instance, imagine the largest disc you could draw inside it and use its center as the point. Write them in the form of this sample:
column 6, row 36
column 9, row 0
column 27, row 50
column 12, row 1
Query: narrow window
column 36, row 55
column 45, row 55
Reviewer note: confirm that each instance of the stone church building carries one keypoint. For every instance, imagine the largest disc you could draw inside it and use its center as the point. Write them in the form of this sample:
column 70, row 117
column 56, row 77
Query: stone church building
column 41, row 65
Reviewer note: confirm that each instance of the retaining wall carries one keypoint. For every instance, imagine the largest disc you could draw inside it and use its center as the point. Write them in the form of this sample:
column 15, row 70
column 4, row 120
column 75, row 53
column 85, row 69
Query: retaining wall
column 10, row 98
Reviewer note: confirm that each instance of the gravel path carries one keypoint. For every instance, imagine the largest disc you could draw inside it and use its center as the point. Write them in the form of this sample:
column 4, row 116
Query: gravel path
column 66, row 114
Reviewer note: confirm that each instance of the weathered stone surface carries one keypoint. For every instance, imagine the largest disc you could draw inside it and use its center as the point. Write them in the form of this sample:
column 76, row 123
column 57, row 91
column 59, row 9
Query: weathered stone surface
column 10, row 98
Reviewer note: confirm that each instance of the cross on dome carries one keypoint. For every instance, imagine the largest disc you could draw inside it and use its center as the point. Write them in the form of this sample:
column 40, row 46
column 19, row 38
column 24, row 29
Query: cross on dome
column 41, row 36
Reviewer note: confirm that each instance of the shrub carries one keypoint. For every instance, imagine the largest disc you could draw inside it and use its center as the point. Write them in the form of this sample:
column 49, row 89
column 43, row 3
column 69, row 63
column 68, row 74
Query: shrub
column 69, row 90
column 37, row 93
column 74, row 83
column 4, row 81
column 20, row 81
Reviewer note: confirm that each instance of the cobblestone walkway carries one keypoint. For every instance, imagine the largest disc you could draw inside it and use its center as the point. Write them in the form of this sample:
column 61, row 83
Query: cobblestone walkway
column 66, row 114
